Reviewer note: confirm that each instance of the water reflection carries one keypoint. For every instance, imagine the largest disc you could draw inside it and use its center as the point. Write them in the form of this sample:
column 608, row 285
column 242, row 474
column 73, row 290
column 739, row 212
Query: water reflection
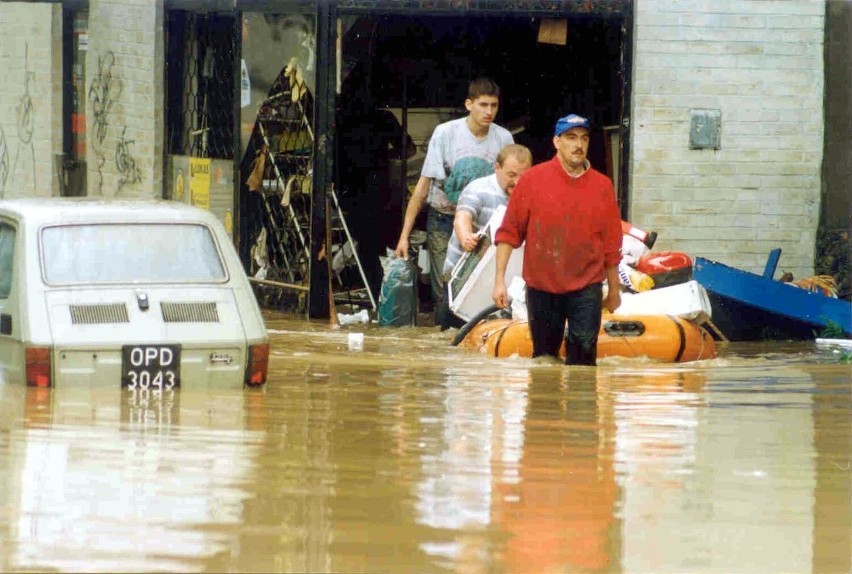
column 476, row 446
column 116, row 480
column 559, row 515
column 718, row 474
column 412, row 456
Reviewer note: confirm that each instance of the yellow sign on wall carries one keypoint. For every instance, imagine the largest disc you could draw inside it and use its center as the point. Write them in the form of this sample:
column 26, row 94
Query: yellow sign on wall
column 199, row 181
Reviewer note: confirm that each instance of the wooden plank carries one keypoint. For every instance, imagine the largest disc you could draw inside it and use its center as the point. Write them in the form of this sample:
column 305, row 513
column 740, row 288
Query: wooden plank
column 279, row 284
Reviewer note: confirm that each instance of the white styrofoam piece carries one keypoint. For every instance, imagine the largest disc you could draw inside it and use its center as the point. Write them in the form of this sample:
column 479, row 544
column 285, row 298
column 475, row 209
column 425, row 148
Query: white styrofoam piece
column 686, row 300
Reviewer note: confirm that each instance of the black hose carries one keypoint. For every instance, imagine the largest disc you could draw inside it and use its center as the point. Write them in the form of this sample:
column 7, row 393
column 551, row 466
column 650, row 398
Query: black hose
column 474, row 321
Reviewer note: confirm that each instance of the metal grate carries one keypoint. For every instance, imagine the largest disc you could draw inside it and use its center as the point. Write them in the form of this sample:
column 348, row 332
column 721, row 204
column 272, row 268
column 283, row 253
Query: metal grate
column 96, row 314
column 190, row 312
column 200, row 84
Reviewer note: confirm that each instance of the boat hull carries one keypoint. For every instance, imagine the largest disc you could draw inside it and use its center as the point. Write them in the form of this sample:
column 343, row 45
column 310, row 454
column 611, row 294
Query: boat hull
column 747, row 306
column 660, row 337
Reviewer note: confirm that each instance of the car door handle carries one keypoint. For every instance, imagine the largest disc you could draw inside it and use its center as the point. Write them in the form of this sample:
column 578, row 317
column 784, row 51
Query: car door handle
column 5, row 324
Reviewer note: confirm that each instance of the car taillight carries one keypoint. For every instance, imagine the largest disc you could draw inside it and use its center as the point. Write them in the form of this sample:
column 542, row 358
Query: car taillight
column 258, row 364
column 38, row 366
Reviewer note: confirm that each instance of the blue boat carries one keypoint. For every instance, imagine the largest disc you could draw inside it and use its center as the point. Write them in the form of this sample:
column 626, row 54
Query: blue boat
column 750, row 307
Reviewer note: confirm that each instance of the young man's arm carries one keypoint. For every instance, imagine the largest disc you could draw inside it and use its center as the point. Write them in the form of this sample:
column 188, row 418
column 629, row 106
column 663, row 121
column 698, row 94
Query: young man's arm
column 415, row 204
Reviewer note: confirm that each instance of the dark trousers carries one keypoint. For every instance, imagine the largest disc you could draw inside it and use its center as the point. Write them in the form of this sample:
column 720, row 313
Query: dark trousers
column 547, row 313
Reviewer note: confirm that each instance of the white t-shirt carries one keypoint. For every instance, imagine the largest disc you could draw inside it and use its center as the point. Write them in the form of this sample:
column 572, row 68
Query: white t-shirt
column 450, row 142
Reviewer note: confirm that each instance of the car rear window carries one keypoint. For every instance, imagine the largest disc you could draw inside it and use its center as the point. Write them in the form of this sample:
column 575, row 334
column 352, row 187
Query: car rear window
column 130, row 253
column 7, row 252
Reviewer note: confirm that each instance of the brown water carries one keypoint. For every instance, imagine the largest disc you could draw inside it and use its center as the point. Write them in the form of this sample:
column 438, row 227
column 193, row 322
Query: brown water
column 414, row 456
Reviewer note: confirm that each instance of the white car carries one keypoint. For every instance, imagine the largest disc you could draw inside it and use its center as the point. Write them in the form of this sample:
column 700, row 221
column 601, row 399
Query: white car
column 142, row 294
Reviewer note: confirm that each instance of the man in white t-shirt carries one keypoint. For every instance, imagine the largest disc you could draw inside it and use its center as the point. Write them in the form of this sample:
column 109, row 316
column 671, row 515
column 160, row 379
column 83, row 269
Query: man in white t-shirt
column 459, row 151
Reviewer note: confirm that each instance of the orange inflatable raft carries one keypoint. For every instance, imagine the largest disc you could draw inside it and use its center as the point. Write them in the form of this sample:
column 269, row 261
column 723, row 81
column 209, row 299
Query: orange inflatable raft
column 661, row 337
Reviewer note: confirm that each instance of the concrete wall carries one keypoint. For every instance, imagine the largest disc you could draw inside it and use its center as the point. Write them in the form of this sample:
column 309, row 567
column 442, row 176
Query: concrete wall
column 124, row 110
column 761, row 65
column 30, row 98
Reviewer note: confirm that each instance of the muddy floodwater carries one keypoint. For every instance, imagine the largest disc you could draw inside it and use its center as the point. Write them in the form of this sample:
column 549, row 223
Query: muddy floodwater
column 410, row 455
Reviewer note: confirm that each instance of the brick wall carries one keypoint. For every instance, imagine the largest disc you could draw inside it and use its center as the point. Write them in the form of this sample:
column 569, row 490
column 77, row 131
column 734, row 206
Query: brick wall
column 124, row 112
column 30, row 98
column 761, row 65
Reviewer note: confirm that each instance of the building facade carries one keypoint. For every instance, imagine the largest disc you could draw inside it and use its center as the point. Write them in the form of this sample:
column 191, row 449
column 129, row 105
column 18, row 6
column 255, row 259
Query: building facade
column 718, row 120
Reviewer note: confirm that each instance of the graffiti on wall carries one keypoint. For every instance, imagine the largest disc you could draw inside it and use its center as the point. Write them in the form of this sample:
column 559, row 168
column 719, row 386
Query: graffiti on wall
column 24, row 160
column 125, row 163
column 4, row 162
column 26, row 127
column 104, row 94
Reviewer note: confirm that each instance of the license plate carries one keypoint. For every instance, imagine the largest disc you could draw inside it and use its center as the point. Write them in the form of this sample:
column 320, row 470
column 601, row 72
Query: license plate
column 150, row 366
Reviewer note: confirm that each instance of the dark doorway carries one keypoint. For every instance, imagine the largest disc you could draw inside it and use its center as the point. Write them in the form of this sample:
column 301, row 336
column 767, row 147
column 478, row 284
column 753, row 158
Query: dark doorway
column 415, row 69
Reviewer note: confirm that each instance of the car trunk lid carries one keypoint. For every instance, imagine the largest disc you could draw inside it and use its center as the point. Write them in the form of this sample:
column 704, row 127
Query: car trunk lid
column 92, row 332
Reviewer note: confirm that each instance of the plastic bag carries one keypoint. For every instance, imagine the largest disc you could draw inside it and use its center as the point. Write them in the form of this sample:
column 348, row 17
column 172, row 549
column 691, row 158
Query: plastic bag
column 632, row 250
column 398, row 297
column 362, row 316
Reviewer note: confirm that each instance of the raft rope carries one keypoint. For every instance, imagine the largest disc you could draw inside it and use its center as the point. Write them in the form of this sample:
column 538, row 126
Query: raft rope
column 704, row 333
column 499, row 339
column 701, row 349
column 682, row 347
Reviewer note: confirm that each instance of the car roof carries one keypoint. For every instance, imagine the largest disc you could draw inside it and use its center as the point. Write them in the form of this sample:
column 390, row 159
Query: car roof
column 48, row 210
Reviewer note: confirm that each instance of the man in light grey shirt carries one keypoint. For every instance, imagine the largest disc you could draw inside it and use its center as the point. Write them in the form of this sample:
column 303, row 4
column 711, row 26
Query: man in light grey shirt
column 476, row 205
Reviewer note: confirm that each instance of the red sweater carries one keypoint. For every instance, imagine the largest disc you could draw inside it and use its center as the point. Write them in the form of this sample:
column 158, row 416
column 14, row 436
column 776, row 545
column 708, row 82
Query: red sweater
column 572, row 227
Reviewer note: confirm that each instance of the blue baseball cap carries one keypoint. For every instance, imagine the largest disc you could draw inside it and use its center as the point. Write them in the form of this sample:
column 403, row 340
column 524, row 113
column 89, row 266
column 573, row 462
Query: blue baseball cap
column 570, row 121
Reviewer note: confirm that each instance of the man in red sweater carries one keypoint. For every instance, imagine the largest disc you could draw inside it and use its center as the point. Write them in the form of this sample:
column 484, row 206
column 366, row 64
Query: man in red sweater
column 567, row 214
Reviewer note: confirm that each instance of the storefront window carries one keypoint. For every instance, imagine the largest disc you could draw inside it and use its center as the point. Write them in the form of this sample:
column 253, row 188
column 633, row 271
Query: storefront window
column 277, row 90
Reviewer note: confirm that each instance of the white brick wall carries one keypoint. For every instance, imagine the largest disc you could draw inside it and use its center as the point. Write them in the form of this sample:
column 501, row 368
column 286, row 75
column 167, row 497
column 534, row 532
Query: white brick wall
column 30, row 98
column 124, row 115
column 759, row 62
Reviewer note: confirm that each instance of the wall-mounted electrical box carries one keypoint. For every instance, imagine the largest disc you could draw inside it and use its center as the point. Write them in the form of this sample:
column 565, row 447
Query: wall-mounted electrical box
column 705, row 129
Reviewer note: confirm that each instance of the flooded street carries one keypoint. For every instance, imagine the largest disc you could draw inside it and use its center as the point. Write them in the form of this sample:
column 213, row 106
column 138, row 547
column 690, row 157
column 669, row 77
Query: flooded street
column 414, row 456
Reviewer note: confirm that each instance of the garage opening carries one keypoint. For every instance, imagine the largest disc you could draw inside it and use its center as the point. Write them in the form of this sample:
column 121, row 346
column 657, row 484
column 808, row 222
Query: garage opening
column 397, row 75
column 402, row 75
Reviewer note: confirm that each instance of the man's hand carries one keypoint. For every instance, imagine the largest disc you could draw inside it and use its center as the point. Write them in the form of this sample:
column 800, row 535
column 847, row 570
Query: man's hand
column 402, row 248
column 612, row 301
column 470, row 241
column 415, row 203
column 501, row 261
column 500, row 295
